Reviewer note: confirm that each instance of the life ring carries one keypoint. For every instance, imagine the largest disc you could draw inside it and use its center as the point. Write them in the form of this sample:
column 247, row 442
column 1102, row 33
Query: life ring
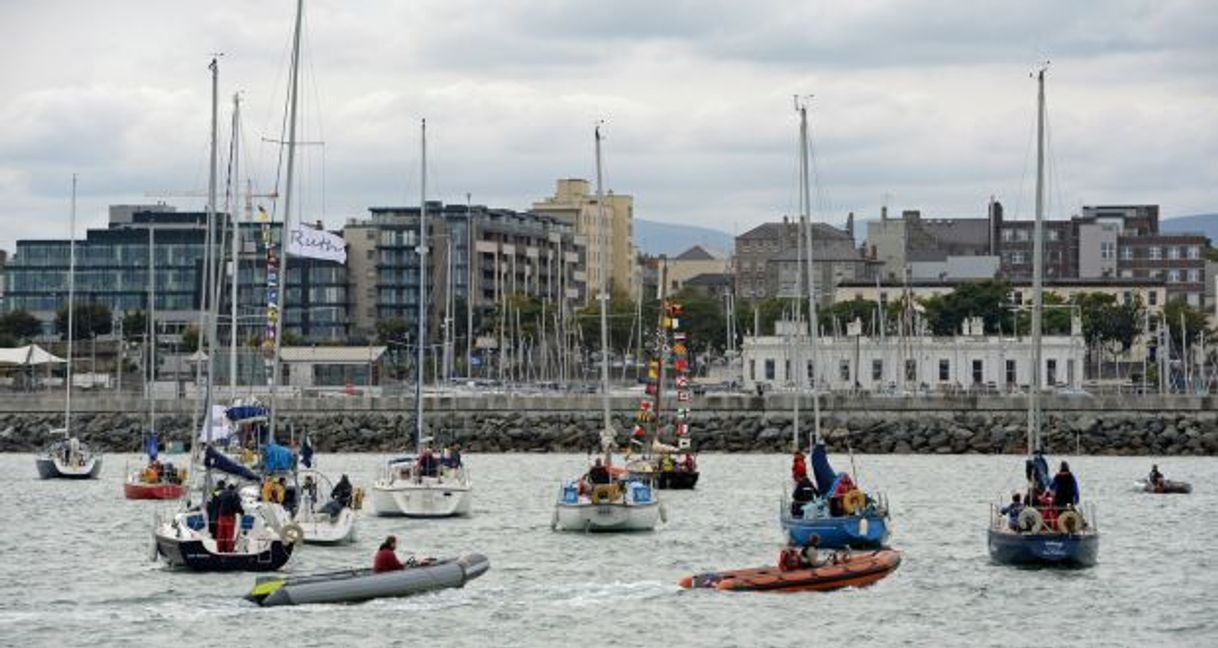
column 1069, row 522
column 292, row 534
column 357, row 499
column 603, row 493
column 854, row 501
column 1030, row 520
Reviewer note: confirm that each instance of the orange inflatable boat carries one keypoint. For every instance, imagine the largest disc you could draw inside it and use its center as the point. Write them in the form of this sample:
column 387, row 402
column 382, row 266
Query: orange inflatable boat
column 855, row 570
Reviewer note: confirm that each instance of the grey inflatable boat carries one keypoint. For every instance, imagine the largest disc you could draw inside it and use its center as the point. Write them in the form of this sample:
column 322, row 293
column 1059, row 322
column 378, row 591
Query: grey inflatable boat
column 355, row 585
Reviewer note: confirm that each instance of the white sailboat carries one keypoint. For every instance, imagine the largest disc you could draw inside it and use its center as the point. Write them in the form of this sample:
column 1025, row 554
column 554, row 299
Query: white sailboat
column 69, row 458
column 605, row 499
column 420, row 485
column 260, row 538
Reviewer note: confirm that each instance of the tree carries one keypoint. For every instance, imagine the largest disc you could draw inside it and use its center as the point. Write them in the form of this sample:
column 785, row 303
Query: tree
column 704, row 321
column 392, row 331
column 846, row 312
column 190, row 338
column 89, row 319
column 20, row 325
column 767, row 311
column 1176, row 313
column 135, row 325
column 1054, row 318
column 989, row 300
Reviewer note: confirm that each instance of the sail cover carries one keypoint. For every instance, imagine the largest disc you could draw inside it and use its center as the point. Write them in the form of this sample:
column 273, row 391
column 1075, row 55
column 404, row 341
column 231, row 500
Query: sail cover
column 822, row 472
column 217, row 460
column 276, row 458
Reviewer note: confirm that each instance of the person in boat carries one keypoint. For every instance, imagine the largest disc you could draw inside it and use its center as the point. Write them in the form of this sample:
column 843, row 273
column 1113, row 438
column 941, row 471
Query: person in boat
column 809, row 555
column 1012, row 511
column 454, row 458
column 799, row 466
column 226, row 526
column 791, row 557
column 213, row 508
column 1065, row 488
column 386, row 559
column 599, row 474
column 340, row 498
column 273, row 491
column 309, row 488
column 688, row 464
column 73, row 450
column 1156, row 478
column 427, row 463
column 668, row 464
column 805, row 491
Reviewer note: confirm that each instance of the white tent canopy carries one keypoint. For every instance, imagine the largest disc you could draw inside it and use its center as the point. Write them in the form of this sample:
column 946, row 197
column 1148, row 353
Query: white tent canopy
column 30, row 354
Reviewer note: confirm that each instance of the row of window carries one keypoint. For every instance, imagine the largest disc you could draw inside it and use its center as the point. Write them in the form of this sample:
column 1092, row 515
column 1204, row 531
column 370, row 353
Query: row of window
column 911, row 370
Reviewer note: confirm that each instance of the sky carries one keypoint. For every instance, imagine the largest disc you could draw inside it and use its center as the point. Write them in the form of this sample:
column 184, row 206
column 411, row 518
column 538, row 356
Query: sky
column 918, row 105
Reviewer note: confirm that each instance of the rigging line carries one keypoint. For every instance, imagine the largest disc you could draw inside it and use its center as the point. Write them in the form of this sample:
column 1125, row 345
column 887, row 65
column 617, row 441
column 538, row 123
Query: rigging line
column 822, row 199
column 1023, row 174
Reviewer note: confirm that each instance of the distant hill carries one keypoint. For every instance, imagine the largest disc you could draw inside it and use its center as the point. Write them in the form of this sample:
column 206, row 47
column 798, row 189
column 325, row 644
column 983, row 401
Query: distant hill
column 657, row 238
column 1204, row 223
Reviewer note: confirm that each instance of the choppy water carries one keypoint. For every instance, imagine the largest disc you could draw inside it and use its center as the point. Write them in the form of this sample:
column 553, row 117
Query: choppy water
column 75, row 571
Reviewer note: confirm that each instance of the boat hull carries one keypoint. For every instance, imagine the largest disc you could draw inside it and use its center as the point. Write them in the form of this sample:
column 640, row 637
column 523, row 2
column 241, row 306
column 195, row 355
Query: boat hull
column 53, row 468
column 1168, row 488
column 868, row 531
column 428, row 498
column 1043, row 549
column 319, row 529
column 142, row 491
column 354, row 586
column 606, row 518
column 195, row 555
column 856, row 571
column 675, row 480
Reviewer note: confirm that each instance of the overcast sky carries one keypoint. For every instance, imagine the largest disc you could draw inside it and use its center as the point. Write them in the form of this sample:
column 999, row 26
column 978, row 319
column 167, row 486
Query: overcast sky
column 923, row 105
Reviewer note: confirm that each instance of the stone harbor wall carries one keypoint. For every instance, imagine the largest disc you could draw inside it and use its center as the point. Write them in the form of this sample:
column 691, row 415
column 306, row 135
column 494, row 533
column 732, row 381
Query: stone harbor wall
column 902, row 431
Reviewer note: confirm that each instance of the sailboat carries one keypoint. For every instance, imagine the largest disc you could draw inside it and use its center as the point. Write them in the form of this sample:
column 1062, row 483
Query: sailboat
column 422, row 485
column 263, row 537
column 605, row 499
column 154, row 481
column 1052, row 533
column 658, row 462
column 831, row 506
column 69, row 458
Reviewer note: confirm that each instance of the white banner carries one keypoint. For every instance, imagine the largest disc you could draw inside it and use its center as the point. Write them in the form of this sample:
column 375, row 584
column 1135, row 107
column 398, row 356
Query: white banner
column 220, row 429
column 316, row 244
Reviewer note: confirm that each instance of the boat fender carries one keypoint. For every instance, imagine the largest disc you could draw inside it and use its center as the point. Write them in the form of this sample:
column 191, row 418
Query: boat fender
column 663, row 513
column 864, row 526
column 602, row 493
column 854, row 501
column 292, row 534
column 1030, row 520
column 1069, row 522
column 554, row 521
column 357, row 499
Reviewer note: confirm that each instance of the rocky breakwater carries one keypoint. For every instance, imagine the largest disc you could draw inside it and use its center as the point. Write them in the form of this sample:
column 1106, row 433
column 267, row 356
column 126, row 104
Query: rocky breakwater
column 899, row 432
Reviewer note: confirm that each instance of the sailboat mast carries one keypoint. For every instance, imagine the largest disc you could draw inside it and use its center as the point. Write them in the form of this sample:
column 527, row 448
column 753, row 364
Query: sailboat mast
column 421, row 342
column 293, row 91
column 152, row 328
column 662, row 347
column 208, row 331
column 806, row 221
column 603, row 288
column 235, row 183
column 1037, row 268
column 67, row 405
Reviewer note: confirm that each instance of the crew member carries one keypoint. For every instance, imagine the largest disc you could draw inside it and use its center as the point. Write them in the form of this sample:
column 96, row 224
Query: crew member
column 799, row 466
column 213, row 508
column 808, row 555
column 1012, row 511
column 1065, row 488
column 599, row 474
column 790, row 558
column 1156, row 477
column 226, row 527
column 804, row 492
column 386, row 560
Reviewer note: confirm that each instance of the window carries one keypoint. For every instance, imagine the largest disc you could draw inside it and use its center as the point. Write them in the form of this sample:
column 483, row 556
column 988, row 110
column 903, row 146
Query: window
column 1127, row 297
column 811, row 373
column 1008, row 235
column 844, row 370
column 1173, row 276
column 769, row 369
column 877, row 370
column 786, row 370
column 978, row 372
column 1155, row 253
column 1021, row 235
column 1070, row 371
column 1127, row 253
column 1053, row 235
column 1107, row 250
column 1018, row 297
column 1194, row 252
column 911, row 370
column 1194, row 275
column 1194, row 299
column 1018, row 258
column 1173, row 253
column 1051, row 369
column 1152, row 297
column 945, row 370
column 752, row 369
column 1127, row 274
column 1011, row 372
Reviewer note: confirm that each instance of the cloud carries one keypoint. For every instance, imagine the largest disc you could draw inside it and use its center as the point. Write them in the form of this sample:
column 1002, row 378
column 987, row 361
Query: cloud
column 928, row 103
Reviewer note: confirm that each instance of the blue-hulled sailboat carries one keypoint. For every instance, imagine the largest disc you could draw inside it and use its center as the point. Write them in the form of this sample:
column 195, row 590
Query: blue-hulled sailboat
column 1048, row 529
column 829, row 505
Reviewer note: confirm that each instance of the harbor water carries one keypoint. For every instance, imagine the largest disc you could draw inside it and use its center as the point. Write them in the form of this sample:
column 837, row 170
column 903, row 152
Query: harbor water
column 76, row 570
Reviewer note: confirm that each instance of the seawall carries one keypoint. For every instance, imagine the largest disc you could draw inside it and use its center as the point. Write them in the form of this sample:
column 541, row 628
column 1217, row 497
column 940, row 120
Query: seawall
column 723, row 423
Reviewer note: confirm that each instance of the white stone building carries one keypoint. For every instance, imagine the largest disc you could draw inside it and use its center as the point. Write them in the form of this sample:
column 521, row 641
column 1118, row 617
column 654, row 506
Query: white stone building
column 971, row 361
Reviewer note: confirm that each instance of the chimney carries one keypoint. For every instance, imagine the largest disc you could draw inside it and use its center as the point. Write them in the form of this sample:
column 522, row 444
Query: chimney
column 884, row 213
column 850, row 224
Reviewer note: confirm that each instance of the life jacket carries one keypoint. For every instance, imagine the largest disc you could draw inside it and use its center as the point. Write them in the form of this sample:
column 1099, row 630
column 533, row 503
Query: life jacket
column 789, row 559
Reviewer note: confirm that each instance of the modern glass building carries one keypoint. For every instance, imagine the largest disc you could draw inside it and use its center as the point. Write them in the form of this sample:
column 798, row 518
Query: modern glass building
column 112, row 269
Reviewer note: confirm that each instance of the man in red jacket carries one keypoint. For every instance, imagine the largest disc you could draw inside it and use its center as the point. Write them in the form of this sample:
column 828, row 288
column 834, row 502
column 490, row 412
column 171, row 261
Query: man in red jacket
column 386, row 560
